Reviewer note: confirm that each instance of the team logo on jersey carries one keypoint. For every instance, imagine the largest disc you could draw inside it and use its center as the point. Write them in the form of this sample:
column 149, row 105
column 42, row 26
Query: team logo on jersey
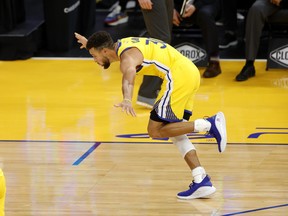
column 280, row 55
column 191, row 51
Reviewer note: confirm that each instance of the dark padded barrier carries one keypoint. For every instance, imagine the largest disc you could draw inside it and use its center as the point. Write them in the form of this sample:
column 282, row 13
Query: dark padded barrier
column 22, row 42
column 19, row 36
column 87, row 16
column 12, row 12
column 61, row 21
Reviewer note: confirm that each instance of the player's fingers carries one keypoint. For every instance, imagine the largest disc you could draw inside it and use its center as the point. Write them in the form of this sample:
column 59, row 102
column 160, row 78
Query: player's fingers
column 133, row 113
column 78, row 36
column 127, row 112
column 117, row 105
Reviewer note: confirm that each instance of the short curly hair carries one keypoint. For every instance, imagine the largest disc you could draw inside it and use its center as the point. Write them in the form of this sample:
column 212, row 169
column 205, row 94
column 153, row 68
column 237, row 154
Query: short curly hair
column 100, row 40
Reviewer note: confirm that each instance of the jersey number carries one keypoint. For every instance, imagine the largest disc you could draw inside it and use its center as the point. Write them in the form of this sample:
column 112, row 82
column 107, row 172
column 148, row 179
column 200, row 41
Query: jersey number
column 150, row 40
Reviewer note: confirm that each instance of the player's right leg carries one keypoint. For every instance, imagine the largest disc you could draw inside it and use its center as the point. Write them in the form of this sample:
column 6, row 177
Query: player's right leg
column 218, row 130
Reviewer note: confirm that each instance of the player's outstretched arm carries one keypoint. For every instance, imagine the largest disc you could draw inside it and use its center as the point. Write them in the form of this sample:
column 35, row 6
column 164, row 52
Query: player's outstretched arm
column 130, row 59
column 81, row 39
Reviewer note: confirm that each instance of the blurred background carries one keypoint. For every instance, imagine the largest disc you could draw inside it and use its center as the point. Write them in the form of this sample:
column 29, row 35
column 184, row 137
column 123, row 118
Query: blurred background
column 44, row 28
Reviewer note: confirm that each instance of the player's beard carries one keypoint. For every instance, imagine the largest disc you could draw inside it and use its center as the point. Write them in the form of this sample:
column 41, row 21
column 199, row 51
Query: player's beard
column 106, row 63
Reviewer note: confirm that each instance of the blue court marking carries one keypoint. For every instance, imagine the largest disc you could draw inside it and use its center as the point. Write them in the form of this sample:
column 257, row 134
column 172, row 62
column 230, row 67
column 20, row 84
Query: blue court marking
column 208, row 143
column 268, row 128
column 96, row 144
column 257, row 135
column 131, row 142
column 86, row 154
column 49, row 141
column 254, row 210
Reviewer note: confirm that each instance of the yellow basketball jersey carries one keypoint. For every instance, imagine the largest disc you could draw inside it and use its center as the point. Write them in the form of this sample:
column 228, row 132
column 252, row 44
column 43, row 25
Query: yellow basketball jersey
column 181, row 78
column 158, row 56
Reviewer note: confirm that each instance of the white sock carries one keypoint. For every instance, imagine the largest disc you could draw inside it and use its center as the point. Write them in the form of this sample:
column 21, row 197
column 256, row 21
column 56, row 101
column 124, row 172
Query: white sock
column 201, row 125
column 198, row 174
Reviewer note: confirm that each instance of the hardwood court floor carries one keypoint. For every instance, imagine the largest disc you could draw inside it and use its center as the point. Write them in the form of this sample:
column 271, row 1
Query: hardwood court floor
column 66, row 150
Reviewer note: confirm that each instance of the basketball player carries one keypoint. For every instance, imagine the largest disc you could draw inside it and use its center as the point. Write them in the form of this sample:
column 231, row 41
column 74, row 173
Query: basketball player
column 2, row 192
column 173, row 106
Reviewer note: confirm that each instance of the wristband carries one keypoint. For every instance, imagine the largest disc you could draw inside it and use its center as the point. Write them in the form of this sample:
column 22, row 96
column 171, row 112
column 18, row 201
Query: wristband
column 126, row 99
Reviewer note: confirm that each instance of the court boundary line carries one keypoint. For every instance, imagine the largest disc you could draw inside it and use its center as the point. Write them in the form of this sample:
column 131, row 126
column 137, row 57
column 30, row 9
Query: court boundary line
column 254, row 210
column 132, row 142
column 98, row 143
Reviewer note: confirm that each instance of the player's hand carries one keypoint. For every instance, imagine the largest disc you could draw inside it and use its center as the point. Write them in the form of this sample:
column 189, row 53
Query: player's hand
column 81, row 39
column 126, row 106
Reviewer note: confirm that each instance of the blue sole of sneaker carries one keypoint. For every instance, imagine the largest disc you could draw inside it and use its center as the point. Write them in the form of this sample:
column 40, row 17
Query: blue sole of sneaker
column 202, row 192
column 220, row 124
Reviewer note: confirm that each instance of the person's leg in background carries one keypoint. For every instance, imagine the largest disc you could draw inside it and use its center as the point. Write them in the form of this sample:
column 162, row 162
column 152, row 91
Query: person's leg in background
column 229, row 13
column 205, row 19
column 256, row 18
column 158, row 22
column 2, row 193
